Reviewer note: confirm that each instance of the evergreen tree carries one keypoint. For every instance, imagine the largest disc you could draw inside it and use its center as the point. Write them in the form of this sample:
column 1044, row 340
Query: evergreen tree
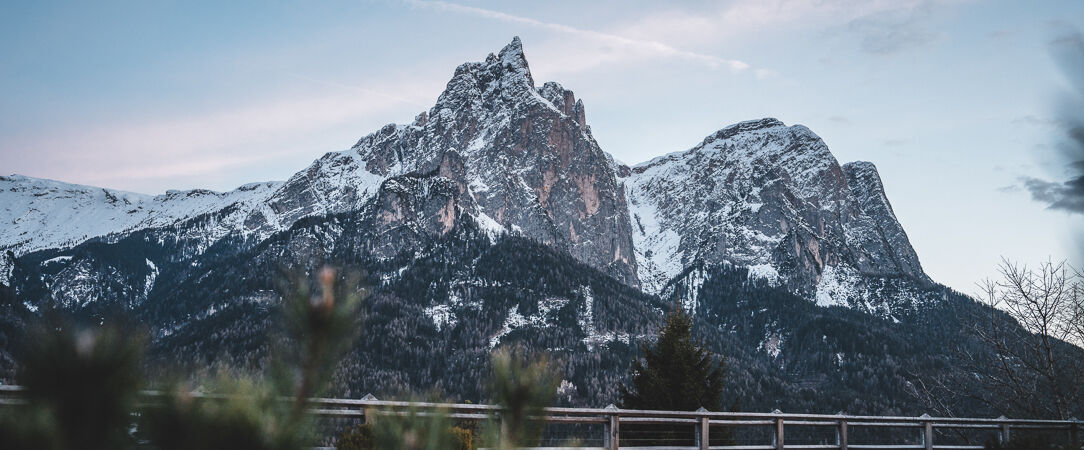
column 677, row 374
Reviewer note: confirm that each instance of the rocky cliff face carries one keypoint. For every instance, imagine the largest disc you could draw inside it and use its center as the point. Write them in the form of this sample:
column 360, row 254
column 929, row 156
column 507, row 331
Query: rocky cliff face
column 770, row 197
column 523, row 156
column 880, row 245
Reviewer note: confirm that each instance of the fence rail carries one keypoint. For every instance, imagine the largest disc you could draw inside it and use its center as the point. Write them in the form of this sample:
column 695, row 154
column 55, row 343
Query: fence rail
column 612, row 418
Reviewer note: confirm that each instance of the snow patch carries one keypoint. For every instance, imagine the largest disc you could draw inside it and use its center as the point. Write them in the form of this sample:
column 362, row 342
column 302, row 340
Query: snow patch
column 516, row 320
column 148, row 284
column 836, row 286
column 490, row 227
column 765, row 272
column 442, row 316
column 56, row 260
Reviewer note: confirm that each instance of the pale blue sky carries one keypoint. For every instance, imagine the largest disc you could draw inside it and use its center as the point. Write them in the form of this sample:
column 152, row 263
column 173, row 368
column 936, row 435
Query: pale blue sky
column 952, row 99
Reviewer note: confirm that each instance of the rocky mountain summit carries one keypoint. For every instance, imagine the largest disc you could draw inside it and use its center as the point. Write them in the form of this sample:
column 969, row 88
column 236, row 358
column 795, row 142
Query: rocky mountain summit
column 763, row 195
column 522, row 159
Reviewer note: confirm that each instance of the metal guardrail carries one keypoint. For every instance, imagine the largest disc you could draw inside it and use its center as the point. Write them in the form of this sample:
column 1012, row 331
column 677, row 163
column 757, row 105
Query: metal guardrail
column 612, row 418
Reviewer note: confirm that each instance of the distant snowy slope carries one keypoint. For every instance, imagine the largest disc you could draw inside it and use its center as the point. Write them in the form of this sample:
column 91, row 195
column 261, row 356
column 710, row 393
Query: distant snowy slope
column 38, row 213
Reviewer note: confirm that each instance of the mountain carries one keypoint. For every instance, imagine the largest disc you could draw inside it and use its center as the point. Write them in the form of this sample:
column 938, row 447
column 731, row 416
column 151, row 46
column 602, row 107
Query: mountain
column 495, row 218
column 772, row 198
column 520, row 159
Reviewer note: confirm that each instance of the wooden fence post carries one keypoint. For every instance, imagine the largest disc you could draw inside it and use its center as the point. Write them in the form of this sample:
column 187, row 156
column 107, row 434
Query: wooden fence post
column 778, row 430
column 612, row 439
column 702, row 431
column 927, row 432
column 365, row 415
column 1003, row 435
column 841, row 433
column 1074, row 433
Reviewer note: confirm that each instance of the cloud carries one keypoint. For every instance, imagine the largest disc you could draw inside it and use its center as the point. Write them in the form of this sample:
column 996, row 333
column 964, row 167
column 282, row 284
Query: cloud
column 633, row 48
column 1036, row 121
column 1068, row 50
column 1066, row 196
column 891, row 31
column 244, row 136
column 878, row 24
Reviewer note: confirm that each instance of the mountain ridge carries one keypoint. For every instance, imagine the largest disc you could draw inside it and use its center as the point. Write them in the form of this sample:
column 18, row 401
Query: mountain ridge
column 521, row 159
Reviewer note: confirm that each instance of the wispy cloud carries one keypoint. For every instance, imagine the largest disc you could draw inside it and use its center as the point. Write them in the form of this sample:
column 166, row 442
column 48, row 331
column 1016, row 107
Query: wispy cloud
column 204, row 143
column 1036, row 121
column 878, row 26
column 637, row 46
column 891, row 31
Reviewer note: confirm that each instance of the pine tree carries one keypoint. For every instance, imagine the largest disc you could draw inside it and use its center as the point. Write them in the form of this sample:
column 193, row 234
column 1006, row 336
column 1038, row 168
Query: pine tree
column 676, row 374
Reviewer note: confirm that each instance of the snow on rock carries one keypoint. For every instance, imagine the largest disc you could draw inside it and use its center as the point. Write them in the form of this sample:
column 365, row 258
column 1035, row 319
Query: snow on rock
column 767, row 196
column 39, row 214
column 7, row 265
column 765, row 272
column 490, row 227
column 441, row 315
column 515, row 320
column 836, row 286
column 586, row 319
column 151, row 277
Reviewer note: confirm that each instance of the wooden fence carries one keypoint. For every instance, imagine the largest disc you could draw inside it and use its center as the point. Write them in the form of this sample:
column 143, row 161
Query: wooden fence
column 611, row 420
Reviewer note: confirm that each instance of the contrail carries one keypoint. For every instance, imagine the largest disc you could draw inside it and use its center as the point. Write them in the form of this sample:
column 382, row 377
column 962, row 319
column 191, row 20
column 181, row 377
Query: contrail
column 652, row 46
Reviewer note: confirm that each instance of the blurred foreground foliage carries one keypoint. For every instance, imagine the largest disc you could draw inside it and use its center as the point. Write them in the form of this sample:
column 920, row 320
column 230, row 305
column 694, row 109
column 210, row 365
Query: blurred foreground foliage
column 83, row 390
column 522, row 384
column 412, row 430
column 82, row 385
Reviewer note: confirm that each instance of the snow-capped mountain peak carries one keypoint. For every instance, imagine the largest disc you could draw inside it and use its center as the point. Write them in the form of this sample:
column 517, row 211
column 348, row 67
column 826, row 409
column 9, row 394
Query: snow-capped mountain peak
column 766, row 195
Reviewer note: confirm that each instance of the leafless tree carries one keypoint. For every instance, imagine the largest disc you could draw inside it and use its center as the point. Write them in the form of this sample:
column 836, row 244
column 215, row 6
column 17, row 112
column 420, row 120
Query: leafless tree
column 1035, row 366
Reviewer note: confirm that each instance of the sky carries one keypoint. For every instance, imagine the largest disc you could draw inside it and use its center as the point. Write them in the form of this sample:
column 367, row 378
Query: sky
column 955, row 101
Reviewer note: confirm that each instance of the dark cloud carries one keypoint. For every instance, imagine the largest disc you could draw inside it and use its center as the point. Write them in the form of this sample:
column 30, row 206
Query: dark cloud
column 1065, row 196
column 1068, row 49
